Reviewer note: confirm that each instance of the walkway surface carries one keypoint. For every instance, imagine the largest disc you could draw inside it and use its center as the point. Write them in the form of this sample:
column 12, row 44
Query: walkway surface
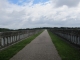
column 41, row 48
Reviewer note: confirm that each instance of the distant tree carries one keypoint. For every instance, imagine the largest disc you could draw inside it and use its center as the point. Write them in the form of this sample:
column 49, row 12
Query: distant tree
column 5, row 29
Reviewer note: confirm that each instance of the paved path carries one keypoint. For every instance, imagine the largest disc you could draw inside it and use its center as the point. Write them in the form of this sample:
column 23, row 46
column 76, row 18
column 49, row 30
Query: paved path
column 41, row 48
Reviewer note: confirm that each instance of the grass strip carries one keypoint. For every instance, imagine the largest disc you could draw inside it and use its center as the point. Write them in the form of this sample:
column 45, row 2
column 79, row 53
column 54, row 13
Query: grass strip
column 9, row 52
column 65, row 50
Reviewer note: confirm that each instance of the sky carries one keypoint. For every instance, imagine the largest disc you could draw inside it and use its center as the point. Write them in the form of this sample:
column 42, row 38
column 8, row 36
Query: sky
column 16, row 14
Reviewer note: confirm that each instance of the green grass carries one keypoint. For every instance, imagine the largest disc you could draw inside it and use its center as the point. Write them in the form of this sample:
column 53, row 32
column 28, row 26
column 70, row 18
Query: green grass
column 12, row 50
column 65, row 50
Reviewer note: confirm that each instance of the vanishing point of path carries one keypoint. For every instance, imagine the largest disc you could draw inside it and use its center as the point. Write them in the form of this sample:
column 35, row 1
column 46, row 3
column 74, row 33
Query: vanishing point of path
column 41, row 48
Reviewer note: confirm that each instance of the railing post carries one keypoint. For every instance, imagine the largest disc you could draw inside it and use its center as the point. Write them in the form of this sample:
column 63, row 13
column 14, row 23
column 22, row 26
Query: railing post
column 0, row 43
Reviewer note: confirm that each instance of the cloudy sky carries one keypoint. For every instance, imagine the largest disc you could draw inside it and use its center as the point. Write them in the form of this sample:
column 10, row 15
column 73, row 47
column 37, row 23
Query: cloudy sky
column 16, row 14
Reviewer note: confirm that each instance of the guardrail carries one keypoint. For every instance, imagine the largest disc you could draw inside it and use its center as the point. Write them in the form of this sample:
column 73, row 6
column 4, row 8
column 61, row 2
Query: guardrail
column 71, row 35
column 10, row 37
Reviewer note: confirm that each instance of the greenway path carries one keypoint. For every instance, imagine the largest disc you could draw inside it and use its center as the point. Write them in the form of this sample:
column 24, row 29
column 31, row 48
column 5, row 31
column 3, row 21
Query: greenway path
column 41, row 48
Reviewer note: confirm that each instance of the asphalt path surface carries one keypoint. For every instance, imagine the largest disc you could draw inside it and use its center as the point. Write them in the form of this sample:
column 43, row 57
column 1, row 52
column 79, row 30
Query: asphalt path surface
column 41, row 48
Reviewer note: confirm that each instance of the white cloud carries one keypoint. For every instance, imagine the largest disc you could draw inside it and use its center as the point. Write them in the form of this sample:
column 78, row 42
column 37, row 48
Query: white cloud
column 69, row 3
column 38, row 15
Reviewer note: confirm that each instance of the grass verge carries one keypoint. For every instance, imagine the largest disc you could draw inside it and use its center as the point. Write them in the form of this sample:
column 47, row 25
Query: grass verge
column 66, row 51
column 12, row 50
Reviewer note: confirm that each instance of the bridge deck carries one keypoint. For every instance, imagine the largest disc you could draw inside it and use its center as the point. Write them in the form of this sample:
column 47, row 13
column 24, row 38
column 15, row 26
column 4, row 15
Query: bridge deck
column 41, row 48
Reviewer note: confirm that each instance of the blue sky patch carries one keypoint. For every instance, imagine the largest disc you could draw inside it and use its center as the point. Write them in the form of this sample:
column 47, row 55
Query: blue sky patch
column 38, row 1
column 20, row 2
